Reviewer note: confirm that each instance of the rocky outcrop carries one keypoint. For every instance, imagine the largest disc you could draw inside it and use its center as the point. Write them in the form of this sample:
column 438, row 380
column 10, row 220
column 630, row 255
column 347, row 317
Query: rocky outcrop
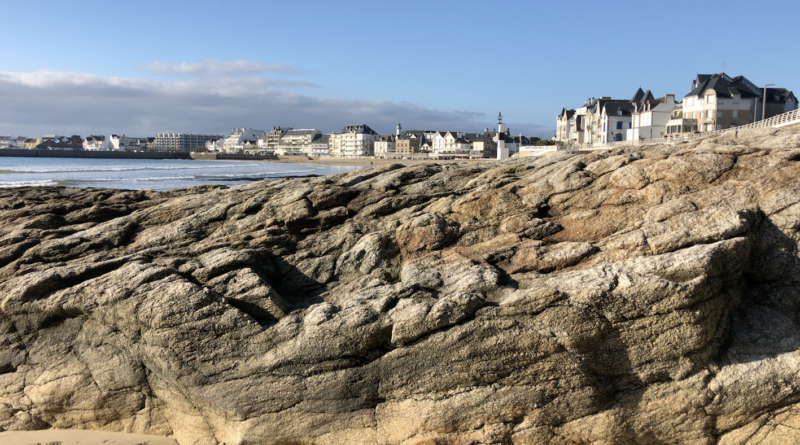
column 631, row 296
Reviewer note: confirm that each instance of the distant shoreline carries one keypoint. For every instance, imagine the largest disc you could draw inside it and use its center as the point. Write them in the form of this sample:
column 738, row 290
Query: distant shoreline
column 26, row 153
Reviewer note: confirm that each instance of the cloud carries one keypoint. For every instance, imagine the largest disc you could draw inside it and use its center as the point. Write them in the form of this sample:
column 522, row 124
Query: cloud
column 218, row 67
column 47, row 102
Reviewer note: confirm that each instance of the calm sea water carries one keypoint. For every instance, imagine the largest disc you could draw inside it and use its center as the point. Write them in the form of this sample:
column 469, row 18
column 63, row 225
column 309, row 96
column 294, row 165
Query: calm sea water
column 147, row 173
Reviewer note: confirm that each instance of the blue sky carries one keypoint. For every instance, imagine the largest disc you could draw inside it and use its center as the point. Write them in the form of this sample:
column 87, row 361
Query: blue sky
column 201, row 66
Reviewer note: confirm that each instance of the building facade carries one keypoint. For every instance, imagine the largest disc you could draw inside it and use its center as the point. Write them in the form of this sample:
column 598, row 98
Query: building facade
column 297, row 142
column 320, row 147
column 386, row 146
column 236, row 140
column 182, row 141
column 97, row 143
column 358, row 140
column 650, row 116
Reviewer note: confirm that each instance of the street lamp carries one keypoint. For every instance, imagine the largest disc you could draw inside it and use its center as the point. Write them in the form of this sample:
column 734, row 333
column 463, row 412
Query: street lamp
column 764, row 101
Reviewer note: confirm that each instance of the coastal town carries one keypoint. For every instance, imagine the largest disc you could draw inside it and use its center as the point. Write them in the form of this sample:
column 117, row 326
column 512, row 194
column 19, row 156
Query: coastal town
column 354, row 141
column 714, row 102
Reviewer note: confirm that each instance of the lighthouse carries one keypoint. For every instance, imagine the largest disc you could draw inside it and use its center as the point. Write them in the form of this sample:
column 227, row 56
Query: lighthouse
column 399, row 127
column 502, row 150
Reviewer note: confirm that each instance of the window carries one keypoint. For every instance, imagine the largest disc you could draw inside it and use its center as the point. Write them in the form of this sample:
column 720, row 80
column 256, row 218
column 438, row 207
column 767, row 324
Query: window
column 710, row 99
column 629, row 125
column 736, row 99
column 619, row 125
column 708, row 114
column 719, row 127
column 719, row 114
column 735, row 113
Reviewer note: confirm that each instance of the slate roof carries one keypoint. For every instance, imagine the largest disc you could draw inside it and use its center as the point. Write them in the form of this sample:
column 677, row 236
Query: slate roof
column 302, row 132
column 361, row 128
column 321, row 139
column 782, row 93
column 613, row 107
column 723, row 87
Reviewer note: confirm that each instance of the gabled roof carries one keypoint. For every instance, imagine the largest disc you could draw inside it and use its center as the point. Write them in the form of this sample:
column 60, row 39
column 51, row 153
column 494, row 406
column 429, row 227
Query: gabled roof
column 723, row 86
column 612, row 108
column 782, row 93
column 638, row 95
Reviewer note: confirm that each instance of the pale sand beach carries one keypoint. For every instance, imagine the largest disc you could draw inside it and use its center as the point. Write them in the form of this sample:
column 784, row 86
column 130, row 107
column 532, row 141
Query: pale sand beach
column 80, row 437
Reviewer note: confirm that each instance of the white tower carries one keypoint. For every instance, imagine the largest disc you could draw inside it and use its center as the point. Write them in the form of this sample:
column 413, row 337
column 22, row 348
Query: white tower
column 399, row 127
column 502, row 150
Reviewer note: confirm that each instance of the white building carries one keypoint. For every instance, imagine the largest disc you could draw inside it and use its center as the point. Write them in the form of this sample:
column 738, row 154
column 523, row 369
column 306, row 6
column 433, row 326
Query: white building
column 97, row 143
column 358, row 140
column 215, row 145
column 502, row 149
column 119, row 142
column 235, row 142
column 182, row 141
column 319, row 146
column 386, row 146
column 650, row 116
column 297, row 142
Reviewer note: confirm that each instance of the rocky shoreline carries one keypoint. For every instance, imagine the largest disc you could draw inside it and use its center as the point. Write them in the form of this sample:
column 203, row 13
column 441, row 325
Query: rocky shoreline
column 639, row 295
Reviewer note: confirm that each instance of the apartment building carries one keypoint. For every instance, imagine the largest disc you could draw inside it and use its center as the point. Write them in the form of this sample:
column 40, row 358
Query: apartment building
column 297, row 142
column 358, row 140
column 335, row 144
column 320, row 147
column 182, row 141
column 268, row 142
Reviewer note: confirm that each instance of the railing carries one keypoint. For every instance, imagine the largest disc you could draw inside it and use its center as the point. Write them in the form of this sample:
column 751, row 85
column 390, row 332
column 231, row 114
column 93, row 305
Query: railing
column 788, row 118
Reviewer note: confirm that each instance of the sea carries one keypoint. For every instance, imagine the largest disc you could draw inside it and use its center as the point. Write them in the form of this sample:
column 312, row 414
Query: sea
column 153, row 174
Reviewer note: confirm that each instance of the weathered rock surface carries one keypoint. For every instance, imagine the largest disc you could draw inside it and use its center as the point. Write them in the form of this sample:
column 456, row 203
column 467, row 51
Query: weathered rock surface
column 633, row 296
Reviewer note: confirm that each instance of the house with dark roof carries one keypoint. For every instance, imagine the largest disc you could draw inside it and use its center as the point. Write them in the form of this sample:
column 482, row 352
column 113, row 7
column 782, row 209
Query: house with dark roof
column 357, row 140
column 386, row 145
column 319, row 146
column 778, row 101
column 97, row 143
column 563, row 124
column 718, row 101
column 599, row 126
column 650, row 115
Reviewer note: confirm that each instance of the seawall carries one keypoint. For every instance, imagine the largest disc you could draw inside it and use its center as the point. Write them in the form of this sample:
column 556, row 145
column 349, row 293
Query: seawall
column 21, row 152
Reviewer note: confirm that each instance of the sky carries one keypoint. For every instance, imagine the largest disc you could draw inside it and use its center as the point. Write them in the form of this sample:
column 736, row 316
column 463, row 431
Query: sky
column 145, row 67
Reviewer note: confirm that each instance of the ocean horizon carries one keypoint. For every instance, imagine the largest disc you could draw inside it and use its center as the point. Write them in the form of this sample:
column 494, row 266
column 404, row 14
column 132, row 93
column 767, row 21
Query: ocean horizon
column 148, row 174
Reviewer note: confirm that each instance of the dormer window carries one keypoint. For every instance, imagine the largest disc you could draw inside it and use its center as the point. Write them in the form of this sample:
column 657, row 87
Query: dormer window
column 736, row 99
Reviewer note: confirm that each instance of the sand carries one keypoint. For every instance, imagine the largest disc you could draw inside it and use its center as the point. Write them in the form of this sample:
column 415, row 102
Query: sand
column 80, row 437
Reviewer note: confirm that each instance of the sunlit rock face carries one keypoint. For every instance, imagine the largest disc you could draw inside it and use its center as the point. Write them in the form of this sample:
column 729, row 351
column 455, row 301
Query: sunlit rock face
column 632, row 296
